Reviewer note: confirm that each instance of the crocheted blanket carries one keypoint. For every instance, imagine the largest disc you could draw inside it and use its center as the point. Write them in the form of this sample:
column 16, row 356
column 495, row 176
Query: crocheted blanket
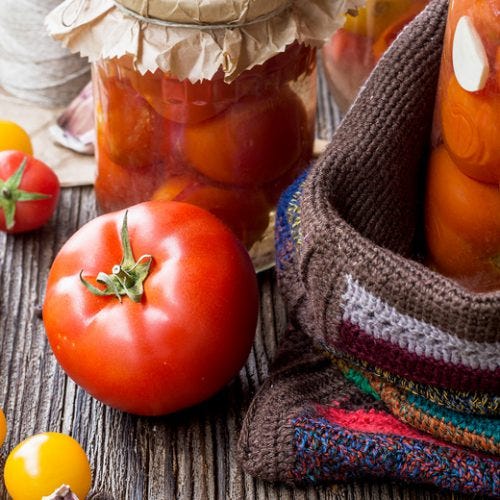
column 388, row 369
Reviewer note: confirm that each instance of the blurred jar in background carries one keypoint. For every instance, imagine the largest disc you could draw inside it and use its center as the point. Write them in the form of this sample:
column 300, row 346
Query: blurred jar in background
column 463, row 185
column 353, row 50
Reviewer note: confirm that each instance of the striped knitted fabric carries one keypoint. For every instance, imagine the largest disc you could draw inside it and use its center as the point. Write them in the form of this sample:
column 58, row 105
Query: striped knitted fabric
column 309, row 424
column 417, row 398
column 378, row 333
column 469, row 430
column 463, row 402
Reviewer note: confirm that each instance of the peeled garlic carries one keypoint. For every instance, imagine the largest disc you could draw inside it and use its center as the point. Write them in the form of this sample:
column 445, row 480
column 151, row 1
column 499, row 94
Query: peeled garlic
column 470, row 62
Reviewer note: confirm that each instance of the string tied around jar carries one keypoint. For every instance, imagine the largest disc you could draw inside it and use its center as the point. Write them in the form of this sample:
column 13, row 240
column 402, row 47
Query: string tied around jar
column 194, row 39
column 142, row 14
column 202, row 26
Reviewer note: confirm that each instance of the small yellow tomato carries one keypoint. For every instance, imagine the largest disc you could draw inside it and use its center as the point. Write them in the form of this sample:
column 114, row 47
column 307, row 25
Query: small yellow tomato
column 3, row 427
column 14, row 137
column 42, row 463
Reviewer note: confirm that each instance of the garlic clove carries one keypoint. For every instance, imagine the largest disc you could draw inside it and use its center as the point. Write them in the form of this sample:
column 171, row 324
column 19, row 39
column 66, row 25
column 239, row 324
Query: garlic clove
column 470, row 62
column 62, row 493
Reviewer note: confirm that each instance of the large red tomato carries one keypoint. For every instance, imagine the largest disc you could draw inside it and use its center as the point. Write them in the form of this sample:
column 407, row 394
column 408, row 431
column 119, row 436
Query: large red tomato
column 29, row 191
column 179, row 315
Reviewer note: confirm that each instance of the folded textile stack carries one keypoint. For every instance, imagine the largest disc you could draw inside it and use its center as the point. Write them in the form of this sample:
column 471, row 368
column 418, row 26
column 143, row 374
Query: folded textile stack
column 388, row 369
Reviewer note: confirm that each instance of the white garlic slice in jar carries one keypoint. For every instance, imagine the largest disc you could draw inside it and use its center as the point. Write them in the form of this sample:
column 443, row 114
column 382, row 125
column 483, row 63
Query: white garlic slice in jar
column 470, row 62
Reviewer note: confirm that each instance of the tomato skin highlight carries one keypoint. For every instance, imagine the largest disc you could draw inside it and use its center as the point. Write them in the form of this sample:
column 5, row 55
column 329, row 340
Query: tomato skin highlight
column 188, row 336
column 42, row 463
column 37, row 178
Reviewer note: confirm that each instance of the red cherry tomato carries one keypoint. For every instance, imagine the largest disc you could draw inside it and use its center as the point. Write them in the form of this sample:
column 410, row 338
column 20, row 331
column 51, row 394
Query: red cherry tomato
column 347, row 48
column 389, row 34
column 117, row 187
column 253, row 142
column 178, row 312
column 462, row 224
column 29, row 191
column 183, row 101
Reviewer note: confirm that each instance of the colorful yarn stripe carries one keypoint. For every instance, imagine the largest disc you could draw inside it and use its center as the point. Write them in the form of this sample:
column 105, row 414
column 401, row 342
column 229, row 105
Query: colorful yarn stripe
column 488, row 427
column 462, row 402
column 447, row 429
column 326, row 451
column 479, row 433
column 380, row 320
column 288, row 223
column 388, row 356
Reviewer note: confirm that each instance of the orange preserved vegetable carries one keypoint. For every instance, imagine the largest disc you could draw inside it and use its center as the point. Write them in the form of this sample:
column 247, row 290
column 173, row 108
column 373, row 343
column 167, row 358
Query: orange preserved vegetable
column 463, row 186
column 471, row 131
column 222, row 146
column 463, row 224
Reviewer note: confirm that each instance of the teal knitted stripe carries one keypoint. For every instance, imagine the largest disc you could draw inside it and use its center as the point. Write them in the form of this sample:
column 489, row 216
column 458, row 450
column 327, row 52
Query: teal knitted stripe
column 361, row 382
column 484, row 426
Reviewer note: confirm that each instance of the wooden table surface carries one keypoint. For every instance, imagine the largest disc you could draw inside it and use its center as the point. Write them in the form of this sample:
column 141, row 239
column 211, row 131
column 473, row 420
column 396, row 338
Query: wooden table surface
column 189, row 455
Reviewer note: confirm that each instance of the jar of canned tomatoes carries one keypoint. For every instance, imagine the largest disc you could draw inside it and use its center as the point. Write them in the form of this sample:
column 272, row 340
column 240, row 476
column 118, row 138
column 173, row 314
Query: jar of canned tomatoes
column 205, row 102
column 463, row 180
column 352, row 52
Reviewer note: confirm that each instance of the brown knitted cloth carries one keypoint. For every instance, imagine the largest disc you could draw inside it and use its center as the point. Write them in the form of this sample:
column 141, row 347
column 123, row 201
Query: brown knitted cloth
column 360, row 211
column 411, row 344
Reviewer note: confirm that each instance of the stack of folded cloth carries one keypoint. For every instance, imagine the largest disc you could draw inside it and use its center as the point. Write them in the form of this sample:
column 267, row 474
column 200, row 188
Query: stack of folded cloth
column 387, row 370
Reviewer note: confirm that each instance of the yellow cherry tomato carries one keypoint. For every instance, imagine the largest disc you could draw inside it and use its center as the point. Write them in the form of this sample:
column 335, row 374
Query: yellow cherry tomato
column 12, row 136
column 3, row 427
column 42, row 463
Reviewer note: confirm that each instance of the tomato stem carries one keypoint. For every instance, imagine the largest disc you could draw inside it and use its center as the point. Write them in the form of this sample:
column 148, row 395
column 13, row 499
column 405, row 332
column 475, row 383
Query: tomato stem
column 126, row 278
column 10, row 194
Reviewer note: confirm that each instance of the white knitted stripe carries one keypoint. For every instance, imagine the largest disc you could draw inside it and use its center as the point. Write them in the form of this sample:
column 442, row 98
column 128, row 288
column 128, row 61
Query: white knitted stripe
column 382, row 321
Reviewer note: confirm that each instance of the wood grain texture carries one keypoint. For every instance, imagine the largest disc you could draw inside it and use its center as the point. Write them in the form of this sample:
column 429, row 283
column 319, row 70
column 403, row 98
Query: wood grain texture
column 189, row 455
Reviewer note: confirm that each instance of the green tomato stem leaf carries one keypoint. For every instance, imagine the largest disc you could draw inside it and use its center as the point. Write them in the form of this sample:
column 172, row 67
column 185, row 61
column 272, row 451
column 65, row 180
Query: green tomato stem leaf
column 126, row 278
column 10, row 194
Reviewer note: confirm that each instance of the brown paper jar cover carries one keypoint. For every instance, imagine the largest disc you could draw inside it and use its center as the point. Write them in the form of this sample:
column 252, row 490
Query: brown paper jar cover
column 193, row 39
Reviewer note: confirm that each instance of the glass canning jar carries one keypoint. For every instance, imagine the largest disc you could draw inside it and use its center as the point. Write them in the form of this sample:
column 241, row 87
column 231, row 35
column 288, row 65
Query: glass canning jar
column 353, row 50
column 230, row 148
column 463, row 180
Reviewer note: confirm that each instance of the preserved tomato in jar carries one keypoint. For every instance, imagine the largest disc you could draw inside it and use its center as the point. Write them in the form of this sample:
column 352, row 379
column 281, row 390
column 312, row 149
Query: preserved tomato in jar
column 228, row 147
column 211, row 103
column 353, row 50
column 463, row 184
column 206, row 102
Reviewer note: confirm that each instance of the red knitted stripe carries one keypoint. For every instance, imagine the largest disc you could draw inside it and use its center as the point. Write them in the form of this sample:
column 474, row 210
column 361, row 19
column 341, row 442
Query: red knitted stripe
column 382, row 354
